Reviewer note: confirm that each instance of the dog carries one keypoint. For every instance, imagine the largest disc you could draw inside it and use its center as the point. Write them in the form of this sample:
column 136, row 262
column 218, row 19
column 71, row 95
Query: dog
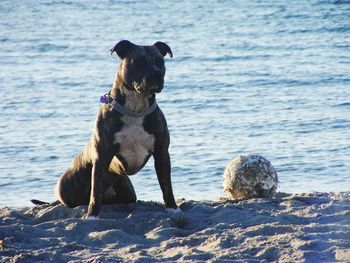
column 129, row 129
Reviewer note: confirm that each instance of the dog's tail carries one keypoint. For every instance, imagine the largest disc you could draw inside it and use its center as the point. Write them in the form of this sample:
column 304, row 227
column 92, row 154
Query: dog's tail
column 38, row 202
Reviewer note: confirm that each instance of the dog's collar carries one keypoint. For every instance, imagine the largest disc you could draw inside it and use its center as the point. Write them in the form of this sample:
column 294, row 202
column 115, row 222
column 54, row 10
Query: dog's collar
column 108, row 99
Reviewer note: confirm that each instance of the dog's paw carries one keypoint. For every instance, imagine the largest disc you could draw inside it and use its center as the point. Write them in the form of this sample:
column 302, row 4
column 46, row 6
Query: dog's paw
column 91, row 217
column 173, row 210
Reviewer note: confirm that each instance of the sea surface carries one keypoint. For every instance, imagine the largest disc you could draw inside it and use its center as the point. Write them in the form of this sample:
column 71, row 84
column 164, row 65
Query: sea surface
column 248, row 77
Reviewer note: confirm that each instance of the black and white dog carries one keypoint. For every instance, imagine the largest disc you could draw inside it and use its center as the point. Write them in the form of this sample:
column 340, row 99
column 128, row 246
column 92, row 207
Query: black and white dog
column 130, row 127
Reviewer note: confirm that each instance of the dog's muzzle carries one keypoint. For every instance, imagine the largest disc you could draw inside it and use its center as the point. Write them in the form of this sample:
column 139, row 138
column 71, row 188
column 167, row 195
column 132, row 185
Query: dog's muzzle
column 157, row 80
column 153, row 83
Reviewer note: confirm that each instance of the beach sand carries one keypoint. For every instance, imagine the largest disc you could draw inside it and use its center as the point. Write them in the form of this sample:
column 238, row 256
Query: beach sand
column 313, row 227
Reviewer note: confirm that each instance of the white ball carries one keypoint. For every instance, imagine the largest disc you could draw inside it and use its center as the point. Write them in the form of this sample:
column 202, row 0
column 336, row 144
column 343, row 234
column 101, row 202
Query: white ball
column 250, row 177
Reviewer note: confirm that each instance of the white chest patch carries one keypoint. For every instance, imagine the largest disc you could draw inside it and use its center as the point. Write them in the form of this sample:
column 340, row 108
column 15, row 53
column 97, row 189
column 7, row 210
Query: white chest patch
column 135, row 143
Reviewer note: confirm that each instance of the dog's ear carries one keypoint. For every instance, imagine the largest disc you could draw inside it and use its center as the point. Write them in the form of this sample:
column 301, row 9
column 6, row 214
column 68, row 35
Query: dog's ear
column 163, row 48
column 122, row 48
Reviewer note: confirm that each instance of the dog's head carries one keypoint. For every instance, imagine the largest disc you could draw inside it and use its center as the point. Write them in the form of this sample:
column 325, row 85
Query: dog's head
column 142, row 67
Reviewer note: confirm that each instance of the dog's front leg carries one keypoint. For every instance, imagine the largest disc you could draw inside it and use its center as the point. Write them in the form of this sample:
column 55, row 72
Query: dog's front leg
column 96, row 190
column 162, row 165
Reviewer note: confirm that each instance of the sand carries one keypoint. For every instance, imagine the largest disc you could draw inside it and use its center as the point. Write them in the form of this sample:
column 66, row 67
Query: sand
column 311, row 227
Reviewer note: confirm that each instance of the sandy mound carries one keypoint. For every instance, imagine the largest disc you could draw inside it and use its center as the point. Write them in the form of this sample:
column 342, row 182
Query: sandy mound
column 312, row 227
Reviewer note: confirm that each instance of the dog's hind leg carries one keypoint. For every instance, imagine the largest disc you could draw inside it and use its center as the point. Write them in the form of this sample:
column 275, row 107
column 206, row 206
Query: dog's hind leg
column 124, row 190
column 74, row 186
column 120, row 192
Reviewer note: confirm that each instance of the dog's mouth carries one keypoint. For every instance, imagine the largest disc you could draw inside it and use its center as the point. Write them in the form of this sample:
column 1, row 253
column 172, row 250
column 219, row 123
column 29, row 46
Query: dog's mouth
column 155, row 89
column 149, row 84
column 142, row 89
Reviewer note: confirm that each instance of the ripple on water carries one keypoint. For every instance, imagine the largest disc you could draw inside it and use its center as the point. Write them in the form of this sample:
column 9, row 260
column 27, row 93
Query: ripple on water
column 269, row 78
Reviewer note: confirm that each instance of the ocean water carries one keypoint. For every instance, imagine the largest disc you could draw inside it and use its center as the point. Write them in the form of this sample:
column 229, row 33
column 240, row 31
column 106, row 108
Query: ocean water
column 247, row 77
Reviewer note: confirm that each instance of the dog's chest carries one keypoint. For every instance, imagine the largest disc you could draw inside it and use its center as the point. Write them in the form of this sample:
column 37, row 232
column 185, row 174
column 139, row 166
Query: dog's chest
column 135, row 144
